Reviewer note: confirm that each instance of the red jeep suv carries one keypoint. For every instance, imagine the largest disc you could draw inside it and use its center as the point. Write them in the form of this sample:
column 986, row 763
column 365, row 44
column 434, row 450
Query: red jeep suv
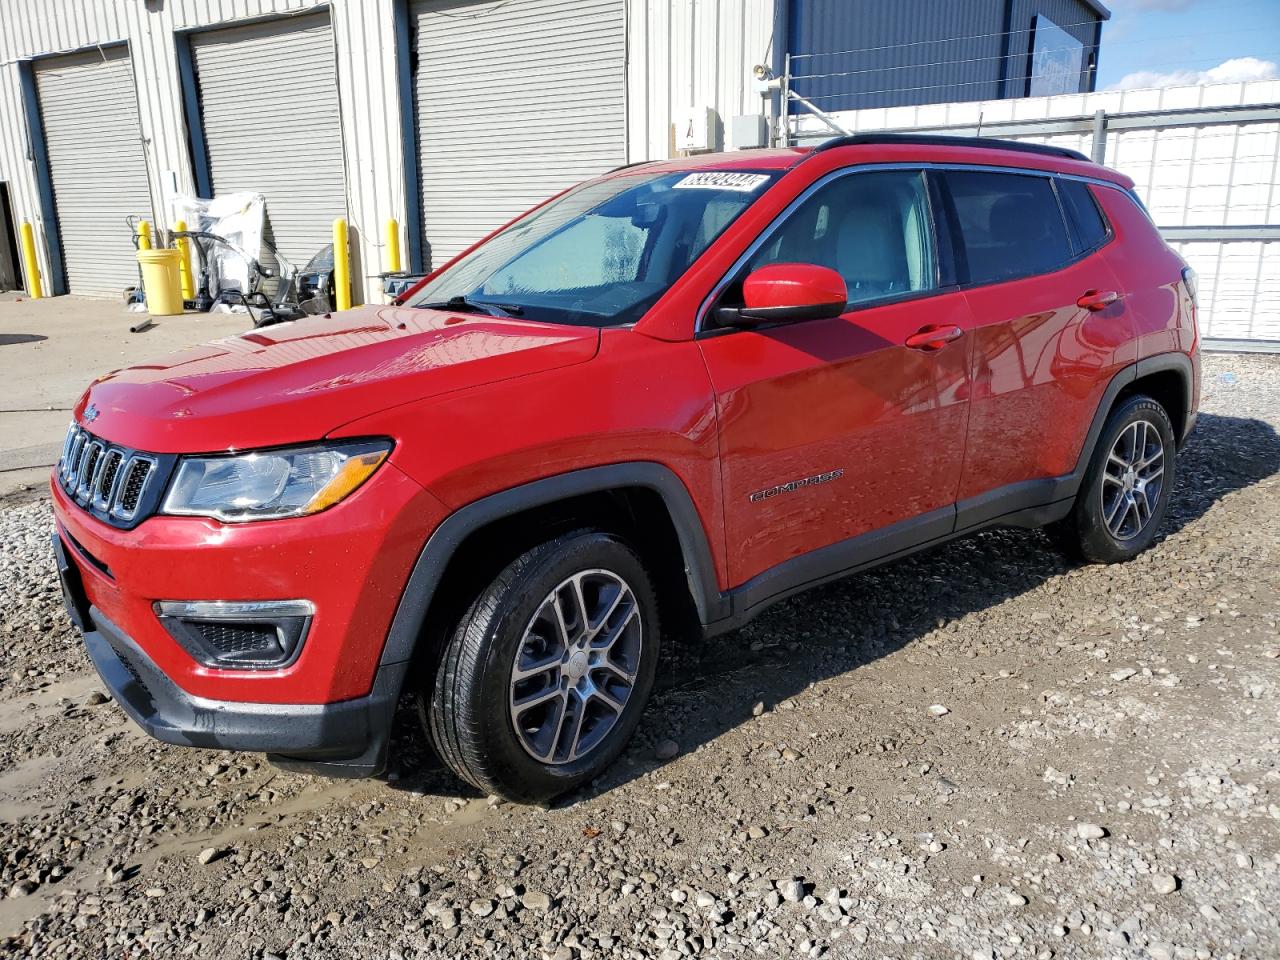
column 664, row 399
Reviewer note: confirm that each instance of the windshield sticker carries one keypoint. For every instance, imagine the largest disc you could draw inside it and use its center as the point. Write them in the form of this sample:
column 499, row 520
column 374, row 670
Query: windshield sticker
column 719, row 180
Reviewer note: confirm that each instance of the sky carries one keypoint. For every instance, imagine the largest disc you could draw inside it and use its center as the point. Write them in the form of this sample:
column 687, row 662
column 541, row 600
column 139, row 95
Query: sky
column 1153, row 43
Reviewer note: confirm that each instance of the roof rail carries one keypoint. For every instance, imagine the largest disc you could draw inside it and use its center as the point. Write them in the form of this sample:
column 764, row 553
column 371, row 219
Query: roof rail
column 939, row 140
column 628, row 166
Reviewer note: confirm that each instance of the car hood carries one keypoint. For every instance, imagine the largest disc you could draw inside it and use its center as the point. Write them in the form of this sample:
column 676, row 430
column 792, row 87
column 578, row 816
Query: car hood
column 298, row 381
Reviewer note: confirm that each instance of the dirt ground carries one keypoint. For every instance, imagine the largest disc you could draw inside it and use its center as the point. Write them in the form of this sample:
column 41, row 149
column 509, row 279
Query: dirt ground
column 981, row 751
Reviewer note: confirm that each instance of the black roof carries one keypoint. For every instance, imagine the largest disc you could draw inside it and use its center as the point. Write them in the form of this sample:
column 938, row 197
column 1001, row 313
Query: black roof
column 938, row 140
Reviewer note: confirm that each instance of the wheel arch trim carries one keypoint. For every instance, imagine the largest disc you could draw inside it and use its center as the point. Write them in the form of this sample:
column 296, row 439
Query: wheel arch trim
column 443, row 544
column 1179, row 363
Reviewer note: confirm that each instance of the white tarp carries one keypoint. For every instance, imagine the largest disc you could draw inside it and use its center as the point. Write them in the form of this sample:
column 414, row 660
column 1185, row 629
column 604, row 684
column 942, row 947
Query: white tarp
column 237, row 218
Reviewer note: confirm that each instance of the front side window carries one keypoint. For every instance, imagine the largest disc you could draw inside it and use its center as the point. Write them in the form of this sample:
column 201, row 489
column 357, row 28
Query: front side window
column 601, row 254
column 872, row 228
column 1010, row 224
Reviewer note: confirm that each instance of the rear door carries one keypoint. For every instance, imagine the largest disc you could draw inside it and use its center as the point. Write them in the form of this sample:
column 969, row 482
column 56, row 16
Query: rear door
column 1040, row 360
column 830, row 429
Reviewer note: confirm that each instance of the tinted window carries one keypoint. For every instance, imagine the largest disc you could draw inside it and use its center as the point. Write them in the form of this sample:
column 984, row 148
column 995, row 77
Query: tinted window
column 1082, row 210
column 1011, row 225
column 871, row 228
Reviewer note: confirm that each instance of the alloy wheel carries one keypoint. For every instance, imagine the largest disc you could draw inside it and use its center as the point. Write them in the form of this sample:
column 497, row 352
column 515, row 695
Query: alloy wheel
column 1132, row 480
column 576, row 666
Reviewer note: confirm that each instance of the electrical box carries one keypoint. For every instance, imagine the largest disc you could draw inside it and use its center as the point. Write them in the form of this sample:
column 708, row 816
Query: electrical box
column 695, row 129
column 750, row 130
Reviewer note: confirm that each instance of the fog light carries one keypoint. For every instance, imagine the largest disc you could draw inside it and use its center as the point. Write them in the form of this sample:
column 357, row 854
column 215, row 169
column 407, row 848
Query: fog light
column 245, row 635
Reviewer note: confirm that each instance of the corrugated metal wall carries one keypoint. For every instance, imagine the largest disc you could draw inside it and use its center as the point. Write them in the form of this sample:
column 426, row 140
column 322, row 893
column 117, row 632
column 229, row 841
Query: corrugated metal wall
column 681, row 54
column 568, row 112
column 367, row 89
column 691, row 53
column 94, row 147
column 276, row 77
column 860, row 54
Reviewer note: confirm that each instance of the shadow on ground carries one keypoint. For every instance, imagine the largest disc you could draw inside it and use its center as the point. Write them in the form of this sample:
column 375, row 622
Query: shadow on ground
column 837, row 628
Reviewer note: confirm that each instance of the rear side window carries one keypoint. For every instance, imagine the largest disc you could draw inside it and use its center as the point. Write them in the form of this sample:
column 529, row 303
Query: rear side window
column 1085, row 217
column 1010, row 225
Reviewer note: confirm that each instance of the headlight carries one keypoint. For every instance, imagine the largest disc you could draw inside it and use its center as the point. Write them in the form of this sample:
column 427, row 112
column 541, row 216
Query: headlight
column 269, row 484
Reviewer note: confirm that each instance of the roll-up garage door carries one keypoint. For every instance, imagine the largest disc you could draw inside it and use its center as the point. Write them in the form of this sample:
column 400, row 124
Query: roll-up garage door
column 269, row 107
column 96, row 165
column 513, row 102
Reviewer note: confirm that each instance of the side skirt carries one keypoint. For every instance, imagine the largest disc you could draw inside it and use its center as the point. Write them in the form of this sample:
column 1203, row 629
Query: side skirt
column 1031, row 504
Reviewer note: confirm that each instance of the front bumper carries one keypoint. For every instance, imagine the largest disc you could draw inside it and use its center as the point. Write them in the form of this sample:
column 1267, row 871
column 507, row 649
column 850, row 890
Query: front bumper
column 351, row 562
column 348, row 738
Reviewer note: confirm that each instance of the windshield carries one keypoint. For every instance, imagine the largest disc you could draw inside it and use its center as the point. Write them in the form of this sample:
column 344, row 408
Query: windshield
column 601, row 254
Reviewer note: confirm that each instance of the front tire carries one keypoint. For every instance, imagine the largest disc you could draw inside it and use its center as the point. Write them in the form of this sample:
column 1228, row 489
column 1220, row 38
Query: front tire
column 1126, row 488
column 543, row 681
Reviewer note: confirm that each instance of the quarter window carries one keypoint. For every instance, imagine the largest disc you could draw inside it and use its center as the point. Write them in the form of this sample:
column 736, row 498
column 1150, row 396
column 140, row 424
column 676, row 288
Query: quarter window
column 1010, row 225
column 1082, row 210
column 871, row 228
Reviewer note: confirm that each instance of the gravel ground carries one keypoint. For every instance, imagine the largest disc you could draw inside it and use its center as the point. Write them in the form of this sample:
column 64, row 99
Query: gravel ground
column 980, row 751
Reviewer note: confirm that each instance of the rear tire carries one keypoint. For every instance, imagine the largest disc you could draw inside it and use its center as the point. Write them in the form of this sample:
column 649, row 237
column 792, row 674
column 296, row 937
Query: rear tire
column 543, row 681
column 1126, row 487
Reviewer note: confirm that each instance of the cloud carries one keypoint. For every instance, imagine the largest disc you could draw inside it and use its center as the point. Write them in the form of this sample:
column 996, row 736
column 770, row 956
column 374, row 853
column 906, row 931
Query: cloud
column 1229, row 71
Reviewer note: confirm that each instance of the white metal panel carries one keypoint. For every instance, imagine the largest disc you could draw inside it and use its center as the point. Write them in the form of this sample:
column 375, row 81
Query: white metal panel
column 514, row 102
column 96, row 163
column 269, row 105
column 1239, row 288
column 691, row 53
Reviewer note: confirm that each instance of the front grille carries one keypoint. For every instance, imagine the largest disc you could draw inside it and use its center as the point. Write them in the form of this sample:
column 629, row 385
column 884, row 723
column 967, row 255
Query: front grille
column 136, row 476
column 114, row 483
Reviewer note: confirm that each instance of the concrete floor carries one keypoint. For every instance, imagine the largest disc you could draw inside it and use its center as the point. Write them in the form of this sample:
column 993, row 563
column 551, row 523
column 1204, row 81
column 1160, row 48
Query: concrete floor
column 49, row 352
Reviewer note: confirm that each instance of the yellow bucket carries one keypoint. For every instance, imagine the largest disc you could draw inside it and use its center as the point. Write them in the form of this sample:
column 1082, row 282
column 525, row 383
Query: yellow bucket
column 161, row 281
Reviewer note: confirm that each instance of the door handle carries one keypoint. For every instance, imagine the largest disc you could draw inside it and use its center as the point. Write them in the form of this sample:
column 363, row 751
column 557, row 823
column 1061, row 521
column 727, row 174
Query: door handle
column 1097, row 299
column 933, row 337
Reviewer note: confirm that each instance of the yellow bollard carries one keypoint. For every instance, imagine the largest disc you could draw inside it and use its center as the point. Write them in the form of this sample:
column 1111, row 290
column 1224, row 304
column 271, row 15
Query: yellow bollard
column 393, row 250
column 341, row 266
column 393, row 246
column 184, row 265
column 144, row 235
column 29, row 262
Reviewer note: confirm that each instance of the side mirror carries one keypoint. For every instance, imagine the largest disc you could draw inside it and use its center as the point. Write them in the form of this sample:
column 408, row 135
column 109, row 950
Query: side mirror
column 787, row 292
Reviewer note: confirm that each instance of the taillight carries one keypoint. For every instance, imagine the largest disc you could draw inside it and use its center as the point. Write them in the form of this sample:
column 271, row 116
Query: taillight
column 1189, row 278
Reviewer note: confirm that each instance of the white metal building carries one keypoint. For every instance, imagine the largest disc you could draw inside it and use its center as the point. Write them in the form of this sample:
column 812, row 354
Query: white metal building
column 450, row 116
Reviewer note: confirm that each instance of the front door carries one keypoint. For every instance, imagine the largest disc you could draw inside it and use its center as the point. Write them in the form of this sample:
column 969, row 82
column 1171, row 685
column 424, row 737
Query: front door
column 830, row 429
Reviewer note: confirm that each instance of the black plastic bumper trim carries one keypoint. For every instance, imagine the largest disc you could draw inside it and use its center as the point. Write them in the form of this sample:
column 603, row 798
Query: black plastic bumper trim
column 351, row 734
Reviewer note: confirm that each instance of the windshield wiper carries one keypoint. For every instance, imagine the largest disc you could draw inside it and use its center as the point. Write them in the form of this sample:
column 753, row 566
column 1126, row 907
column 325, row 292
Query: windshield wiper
column 474, row 306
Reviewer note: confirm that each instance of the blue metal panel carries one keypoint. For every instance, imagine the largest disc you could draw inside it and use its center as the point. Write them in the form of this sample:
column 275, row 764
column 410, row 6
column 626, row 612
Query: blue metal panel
column 195, row 120
column 854, row 54
column 1076, row 17
column 405, row 52
column 44, row 179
